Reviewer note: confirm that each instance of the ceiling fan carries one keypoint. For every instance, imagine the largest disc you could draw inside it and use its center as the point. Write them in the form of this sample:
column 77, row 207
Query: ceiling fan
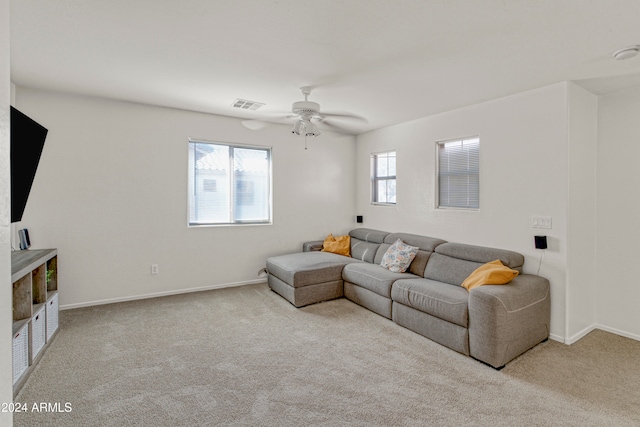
column 306, row 111
column 307, row 114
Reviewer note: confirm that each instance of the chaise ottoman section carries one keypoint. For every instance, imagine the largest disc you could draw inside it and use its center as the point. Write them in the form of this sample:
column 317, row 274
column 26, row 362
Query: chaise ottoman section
column 307, row 277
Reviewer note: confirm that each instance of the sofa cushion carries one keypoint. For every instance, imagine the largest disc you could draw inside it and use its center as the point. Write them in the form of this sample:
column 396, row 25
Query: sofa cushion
column 399, row 256
column 417, row 265
column 481, row 254
column 453, row 262
column 340, row 245
column 363, row 251
column 449, row 270
column 438, row 299
column 368, row 235
column 365, row 243
column 308, row 268
column 491, row 273
column 423, row 242
column 373, row 277
column 382, row 249
column 426, row 245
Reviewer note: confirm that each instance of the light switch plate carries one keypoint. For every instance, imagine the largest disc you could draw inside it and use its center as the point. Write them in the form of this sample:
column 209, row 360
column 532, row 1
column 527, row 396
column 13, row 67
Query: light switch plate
column 538, row 221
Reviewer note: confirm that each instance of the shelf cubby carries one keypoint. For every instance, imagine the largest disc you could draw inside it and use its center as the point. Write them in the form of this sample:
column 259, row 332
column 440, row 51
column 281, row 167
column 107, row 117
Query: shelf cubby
column 39, row 284
column 52, row 274
column 22, row 298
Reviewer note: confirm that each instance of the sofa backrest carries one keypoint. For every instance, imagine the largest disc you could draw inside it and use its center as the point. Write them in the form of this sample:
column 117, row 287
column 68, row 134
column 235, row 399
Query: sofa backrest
column 453, row 262
column 365, row 243
column 426, row 244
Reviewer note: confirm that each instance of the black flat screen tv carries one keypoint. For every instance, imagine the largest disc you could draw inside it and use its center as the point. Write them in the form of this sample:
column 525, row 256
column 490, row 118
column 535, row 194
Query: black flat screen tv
column 27, row 141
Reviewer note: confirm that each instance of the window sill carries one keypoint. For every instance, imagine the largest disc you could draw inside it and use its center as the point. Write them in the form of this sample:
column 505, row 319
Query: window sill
column 452, row 208
column 230, row 224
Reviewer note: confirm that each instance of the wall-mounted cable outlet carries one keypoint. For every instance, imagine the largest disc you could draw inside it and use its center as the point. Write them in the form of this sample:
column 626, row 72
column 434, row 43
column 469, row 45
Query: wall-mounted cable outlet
column 155, row 269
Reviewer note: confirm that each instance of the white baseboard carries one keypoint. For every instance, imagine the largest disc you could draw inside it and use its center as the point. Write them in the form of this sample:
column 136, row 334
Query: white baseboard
column 576, row 337
column 159, row 294
column 556, row 338
column 618, row 332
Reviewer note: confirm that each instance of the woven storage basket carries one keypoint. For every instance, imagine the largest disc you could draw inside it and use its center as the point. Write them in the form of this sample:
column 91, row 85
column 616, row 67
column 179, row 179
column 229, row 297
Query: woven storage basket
column 20, row 352
column 52, row 316
column 38, row 333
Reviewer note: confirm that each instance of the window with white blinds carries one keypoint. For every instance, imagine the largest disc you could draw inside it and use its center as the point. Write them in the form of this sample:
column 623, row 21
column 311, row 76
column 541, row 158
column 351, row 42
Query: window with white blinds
column 459, row 173
column 383, row 178
column 229, row 184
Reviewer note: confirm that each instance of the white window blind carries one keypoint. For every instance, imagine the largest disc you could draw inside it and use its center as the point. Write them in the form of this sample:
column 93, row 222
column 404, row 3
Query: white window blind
column 459, row 174
column 229, row 184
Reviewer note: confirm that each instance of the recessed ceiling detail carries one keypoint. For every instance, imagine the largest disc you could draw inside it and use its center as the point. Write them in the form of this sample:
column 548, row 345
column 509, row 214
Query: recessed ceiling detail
column 247, row 105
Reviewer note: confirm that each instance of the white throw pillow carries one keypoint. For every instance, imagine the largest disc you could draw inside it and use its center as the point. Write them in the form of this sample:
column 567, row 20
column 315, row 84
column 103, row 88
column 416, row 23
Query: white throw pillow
column 399, row 256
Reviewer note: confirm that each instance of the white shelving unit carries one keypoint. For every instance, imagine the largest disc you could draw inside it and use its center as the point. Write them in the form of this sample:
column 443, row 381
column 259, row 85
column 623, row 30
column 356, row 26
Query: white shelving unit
column 34, row 274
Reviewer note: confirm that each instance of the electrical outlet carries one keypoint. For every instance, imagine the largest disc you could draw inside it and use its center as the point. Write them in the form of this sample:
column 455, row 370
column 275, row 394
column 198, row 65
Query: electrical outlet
column 154, row 269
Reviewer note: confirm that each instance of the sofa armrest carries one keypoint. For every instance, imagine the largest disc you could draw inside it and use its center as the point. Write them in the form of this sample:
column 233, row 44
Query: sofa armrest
column 507, row 320
column 315, row 245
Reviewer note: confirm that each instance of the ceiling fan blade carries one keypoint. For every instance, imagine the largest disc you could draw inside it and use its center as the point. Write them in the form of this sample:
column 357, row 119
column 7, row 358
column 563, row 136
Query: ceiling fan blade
column 279, row 115
column 344, row 116
column 258, row 124
column 331, row 126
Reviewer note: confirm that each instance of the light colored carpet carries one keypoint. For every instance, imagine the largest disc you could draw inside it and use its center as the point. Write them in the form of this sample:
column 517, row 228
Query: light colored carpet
column 246, row 357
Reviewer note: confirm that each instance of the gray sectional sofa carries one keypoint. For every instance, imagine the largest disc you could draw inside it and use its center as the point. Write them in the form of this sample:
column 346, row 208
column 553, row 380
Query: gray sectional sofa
column 491, row 323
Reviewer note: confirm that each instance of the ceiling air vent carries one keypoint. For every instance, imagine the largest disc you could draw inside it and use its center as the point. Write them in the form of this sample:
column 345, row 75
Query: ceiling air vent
column 246, row 105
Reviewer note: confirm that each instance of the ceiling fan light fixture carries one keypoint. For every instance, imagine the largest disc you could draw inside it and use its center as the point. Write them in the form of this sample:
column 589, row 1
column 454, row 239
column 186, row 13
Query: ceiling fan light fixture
column 298, row 127
column 312, row 129
column 306, row 111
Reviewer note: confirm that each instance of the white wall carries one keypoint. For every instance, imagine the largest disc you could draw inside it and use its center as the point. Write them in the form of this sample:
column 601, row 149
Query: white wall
column 6, row 308
column 618, row 213
column 111, row 194
column 581, row 213
column 523, row 172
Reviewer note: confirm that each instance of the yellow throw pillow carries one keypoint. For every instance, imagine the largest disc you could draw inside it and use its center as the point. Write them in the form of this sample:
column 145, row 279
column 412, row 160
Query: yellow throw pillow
column 491, row 273
column 340, row 245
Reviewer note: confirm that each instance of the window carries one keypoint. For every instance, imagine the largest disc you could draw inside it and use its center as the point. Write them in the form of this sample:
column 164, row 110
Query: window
column 383, row 178
column 229, row 184
column 459, row 173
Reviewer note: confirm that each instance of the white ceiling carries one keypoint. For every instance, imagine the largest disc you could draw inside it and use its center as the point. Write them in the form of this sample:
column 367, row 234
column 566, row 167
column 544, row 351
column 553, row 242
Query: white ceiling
column 389, row 61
